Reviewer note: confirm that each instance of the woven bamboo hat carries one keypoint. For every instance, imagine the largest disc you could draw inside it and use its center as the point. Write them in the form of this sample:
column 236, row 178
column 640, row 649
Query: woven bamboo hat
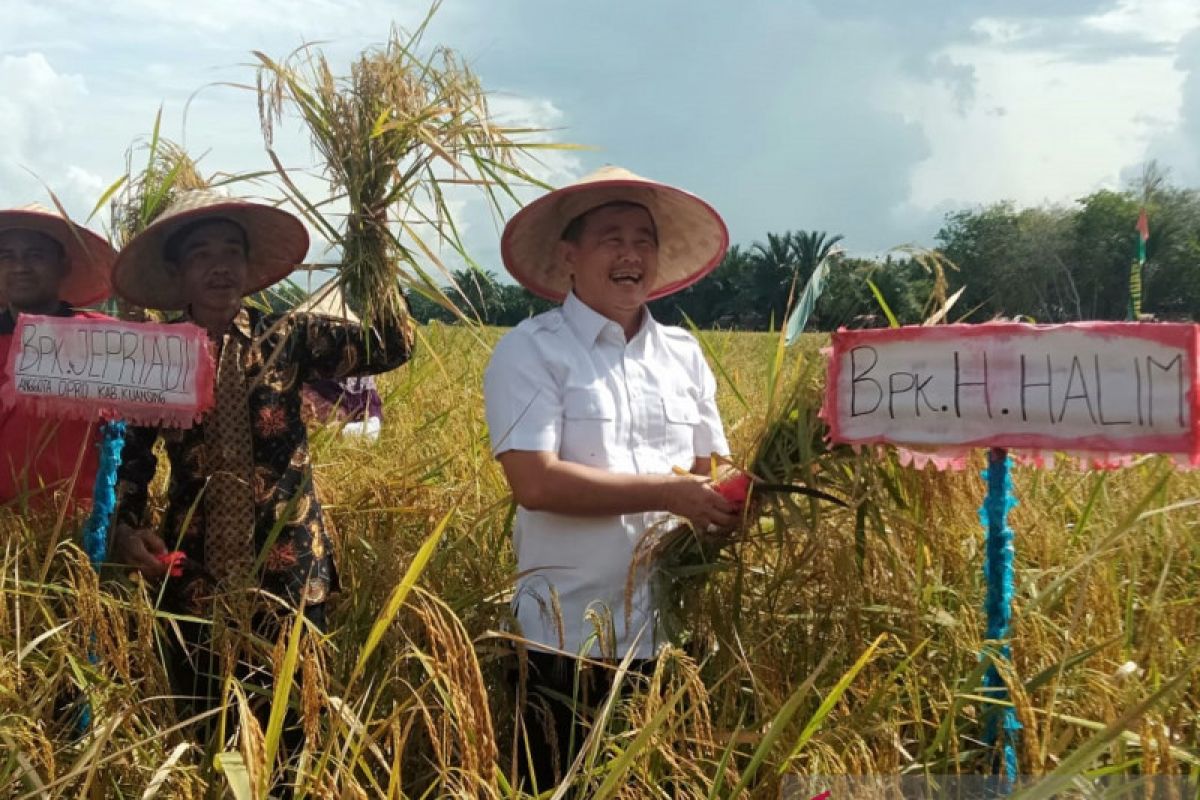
column 278, row 242
column 692, row 237
column 89, row 256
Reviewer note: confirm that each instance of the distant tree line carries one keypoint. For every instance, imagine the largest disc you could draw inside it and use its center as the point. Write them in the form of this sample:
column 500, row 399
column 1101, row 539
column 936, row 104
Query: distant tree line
column 1048, row 264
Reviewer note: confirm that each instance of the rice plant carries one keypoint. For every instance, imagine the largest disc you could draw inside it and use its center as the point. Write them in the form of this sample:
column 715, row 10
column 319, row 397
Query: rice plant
column 843, row 644
column 394, row 136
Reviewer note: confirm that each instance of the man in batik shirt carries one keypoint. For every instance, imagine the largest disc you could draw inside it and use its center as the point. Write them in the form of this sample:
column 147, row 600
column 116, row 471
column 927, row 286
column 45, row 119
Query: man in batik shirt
column 240, row 502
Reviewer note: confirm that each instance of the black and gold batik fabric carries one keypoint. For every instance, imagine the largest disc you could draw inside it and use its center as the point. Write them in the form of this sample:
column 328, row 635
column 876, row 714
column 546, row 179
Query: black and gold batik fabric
column 276, row 355
column 228, row 498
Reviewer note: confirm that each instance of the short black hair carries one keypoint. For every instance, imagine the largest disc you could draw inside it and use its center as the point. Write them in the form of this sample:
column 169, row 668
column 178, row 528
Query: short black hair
column 173, row 249
column 573, row 232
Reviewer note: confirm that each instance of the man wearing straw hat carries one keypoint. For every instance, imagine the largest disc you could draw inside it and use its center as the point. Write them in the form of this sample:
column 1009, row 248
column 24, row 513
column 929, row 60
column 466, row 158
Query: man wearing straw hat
column 240, row 503
column 592, row 409
column 48, row 266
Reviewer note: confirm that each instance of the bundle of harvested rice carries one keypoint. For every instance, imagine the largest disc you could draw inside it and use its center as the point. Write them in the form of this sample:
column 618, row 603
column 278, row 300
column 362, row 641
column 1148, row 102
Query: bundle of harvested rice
column 788, row 474
column 394, row 136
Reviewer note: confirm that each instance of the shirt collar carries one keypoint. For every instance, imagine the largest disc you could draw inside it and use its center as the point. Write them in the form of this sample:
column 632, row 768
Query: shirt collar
column 589, row 324
column 242, row 323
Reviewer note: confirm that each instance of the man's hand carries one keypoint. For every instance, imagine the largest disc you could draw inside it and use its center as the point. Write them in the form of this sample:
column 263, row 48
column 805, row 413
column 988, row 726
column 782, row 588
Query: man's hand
column 140, row 549
column 541, row 481
column 694, row 498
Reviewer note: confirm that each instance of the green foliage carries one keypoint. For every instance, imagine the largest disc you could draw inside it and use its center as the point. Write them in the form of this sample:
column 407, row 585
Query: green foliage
column 1064, row 263
column 1047, row 264
column 481, row 297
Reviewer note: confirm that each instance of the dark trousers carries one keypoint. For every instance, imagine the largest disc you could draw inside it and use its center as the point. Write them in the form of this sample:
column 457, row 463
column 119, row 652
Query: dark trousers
column 562, row 698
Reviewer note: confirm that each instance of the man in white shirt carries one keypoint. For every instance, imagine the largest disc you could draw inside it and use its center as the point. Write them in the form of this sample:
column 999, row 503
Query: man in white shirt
column 604, row 422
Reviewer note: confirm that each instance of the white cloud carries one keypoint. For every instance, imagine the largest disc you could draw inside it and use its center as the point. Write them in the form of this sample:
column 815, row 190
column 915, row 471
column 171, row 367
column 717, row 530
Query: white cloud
column 82, row 183
column 1048, row 127
column 35, row 102
column 1178, row 149
column 555, row 167
column 864, row 117
column 39, row 107
column 1156, row 20
column 480, row 223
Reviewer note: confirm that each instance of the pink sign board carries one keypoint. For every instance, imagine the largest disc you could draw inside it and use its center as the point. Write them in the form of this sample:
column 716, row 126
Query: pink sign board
column 89, row 368
column 1099, row 387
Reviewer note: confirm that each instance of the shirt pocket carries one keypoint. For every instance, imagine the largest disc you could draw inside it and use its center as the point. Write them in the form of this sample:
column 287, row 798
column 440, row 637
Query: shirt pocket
column 589, row 416
column 681, row 416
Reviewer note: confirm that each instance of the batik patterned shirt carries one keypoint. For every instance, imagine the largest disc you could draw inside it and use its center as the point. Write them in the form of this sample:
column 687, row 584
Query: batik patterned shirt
column 281, row 354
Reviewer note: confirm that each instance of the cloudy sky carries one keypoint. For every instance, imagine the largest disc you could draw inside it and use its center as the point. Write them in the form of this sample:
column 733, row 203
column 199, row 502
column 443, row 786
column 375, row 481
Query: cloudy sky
column 871, row 118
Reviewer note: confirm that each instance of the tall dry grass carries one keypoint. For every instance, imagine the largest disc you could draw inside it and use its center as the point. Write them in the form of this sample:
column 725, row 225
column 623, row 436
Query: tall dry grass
column 838, row 642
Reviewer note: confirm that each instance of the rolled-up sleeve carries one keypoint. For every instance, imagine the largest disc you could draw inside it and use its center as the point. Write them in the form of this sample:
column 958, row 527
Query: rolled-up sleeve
column 522, row 398
column 333, row 349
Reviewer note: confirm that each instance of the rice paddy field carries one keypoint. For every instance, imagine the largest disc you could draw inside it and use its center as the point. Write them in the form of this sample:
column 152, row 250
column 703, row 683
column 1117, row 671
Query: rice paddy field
column 828, row 641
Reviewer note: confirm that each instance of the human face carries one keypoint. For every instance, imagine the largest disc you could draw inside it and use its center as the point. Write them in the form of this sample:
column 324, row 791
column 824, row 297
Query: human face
column 212, row 268
column 32, row 269
column 614, row 263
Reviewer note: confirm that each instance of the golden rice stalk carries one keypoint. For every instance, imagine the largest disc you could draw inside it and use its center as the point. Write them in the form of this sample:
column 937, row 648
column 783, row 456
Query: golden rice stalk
column 313, row 689
column 686, row 744
column 251, row 741
column 394, row 135
column 147, row 193
column 164, row 771
column 467, row 735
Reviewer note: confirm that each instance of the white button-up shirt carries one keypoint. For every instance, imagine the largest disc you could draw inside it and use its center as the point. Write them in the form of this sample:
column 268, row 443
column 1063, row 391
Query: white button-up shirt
column 567, row 382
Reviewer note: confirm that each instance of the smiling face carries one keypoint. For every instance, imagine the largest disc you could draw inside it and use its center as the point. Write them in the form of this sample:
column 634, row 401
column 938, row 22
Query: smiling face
column 613, row 261
column 32, row 269
column 211, row 260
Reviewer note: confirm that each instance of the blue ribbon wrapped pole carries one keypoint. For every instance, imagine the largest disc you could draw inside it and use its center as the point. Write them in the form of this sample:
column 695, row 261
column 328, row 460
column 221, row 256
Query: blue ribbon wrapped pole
column 1001, row 727
column 104, row 500
column 104, row 494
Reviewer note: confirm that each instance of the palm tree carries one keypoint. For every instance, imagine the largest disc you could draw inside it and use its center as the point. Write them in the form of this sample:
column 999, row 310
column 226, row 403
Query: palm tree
column 771, row 270
column 810, row 249
column 782, row 266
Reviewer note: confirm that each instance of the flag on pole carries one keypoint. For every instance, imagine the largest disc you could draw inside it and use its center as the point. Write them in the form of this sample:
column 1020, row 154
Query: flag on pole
column 1143, row 229
column 1135, row 269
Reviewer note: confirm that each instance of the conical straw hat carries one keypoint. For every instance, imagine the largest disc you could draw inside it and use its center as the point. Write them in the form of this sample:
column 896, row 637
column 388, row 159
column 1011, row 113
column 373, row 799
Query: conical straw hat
column 278, row 242
column 328, row 301
column 89, row 256
column 692, row 237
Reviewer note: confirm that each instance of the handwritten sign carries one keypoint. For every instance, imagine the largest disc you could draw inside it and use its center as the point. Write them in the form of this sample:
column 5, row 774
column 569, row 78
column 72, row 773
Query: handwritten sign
column 1093, row 387
column 87, row 368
